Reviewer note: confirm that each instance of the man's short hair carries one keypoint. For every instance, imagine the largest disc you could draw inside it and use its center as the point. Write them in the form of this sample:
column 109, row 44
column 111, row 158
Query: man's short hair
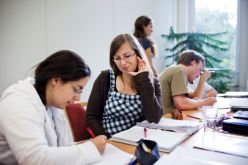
column 187, row 56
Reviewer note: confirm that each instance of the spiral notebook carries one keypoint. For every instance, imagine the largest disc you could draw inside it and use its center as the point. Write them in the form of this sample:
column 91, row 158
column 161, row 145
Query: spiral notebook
column 114, row 155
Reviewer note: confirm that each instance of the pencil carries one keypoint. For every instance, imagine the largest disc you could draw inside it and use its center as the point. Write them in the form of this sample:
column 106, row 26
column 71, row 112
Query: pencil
column 90, row 132
column 194, row 117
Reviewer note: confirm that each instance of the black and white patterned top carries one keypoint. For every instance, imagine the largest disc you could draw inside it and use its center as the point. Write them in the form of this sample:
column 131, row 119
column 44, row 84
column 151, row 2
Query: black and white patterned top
column 121, row 111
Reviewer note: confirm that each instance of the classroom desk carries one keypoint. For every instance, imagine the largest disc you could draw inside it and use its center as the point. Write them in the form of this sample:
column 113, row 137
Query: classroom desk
column 189, row 142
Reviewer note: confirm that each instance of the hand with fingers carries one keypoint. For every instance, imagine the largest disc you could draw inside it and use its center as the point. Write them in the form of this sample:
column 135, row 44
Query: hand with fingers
column 177, row 114
column 100, row 143
column 205, row 75
column 142, row 67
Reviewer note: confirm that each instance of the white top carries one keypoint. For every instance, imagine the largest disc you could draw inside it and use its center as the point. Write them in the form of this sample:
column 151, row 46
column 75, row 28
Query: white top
column 192, row 87
column 29, row 136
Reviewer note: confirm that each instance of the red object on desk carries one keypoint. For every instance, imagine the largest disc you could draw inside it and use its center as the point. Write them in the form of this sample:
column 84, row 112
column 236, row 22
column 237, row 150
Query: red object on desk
column 145, row 132
column 91, row 132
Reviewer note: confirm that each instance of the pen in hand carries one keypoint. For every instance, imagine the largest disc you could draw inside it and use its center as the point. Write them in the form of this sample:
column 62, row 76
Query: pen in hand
column 99, row 141
column 91, row 132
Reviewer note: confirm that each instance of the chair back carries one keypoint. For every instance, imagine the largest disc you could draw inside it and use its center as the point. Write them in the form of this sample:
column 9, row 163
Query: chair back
column 76, row 115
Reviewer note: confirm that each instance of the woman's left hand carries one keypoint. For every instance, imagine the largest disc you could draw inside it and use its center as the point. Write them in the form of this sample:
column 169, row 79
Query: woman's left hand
column 142, row 67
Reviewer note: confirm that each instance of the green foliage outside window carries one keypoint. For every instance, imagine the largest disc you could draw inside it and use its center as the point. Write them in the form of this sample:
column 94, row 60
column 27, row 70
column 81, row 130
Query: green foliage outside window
column 210, row 46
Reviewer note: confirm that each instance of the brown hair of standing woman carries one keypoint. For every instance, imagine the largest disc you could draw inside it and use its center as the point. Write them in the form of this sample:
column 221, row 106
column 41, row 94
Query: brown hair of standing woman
column 139, row 25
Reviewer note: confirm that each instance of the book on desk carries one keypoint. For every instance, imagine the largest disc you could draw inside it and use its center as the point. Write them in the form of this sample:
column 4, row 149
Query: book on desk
column 239, row 104
column 238, row 124
column 191, row 156
column 166, row 139
column 224, row 143
column 235, row 94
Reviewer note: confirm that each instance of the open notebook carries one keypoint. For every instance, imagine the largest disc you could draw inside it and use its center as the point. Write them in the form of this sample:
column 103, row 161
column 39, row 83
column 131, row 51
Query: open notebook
column 173, row 125
column 166, row 140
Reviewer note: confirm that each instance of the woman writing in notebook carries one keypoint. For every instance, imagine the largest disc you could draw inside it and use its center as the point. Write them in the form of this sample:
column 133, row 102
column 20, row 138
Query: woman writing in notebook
column 127, row 94
column 32, row 130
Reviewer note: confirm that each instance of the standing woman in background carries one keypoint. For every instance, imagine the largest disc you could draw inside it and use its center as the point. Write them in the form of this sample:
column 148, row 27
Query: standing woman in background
column 142, row 31
column 127, row 94
column 32, row 130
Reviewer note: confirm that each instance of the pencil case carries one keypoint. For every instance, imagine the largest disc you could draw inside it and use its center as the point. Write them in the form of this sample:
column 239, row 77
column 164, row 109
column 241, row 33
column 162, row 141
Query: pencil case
column 147, row 152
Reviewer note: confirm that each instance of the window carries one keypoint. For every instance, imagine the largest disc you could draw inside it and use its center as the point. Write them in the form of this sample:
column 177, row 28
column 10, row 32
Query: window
column 213, row 16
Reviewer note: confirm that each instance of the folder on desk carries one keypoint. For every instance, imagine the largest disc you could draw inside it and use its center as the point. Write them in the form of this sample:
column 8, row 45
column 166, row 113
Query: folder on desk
column 239, row 126
column 236, row 94
column 224, row 143
column 166, row 140
column 239, row 104
column 192, row 156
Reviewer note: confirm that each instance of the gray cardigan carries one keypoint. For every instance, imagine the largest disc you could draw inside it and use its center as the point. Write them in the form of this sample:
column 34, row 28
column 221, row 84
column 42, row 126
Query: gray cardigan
column 149, row 91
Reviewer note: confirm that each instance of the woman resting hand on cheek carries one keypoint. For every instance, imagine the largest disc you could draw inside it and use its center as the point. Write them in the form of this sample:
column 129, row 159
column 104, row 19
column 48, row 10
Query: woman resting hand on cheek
column 127, row 94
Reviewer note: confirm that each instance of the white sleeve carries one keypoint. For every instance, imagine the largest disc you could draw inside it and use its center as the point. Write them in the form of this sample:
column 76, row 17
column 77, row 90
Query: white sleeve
column 23, row 128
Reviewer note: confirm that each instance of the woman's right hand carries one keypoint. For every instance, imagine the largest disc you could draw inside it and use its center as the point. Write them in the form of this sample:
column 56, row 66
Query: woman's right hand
column 142, row 67
column 100, row 142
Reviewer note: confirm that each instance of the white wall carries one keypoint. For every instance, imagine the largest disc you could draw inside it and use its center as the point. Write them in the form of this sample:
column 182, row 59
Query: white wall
column 22, row 38
column 33, row 29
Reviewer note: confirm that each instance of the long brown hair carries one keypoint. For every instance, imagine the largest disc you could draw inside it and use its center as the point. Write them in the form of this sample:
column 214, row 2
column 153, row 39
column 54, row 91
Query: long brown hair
column 139, row 25
column 117, row 42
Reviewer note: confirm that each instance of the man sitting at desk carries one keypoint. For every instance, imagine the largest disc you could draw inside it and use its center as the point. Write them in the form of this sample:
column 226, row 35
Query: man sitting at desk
column 174, row 81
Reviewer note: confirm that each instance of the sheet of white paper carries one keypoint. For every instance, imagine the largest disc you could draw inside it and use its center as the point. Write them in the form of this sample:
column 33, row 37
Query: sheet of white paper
column 113, row 155
column 192, row 156
column 229, row 144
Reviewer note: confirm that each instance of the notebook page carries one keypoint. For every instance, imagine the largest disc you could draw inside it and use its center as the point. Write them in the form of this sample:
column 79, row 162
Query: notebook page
column 166, row 140
column 113, row 155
